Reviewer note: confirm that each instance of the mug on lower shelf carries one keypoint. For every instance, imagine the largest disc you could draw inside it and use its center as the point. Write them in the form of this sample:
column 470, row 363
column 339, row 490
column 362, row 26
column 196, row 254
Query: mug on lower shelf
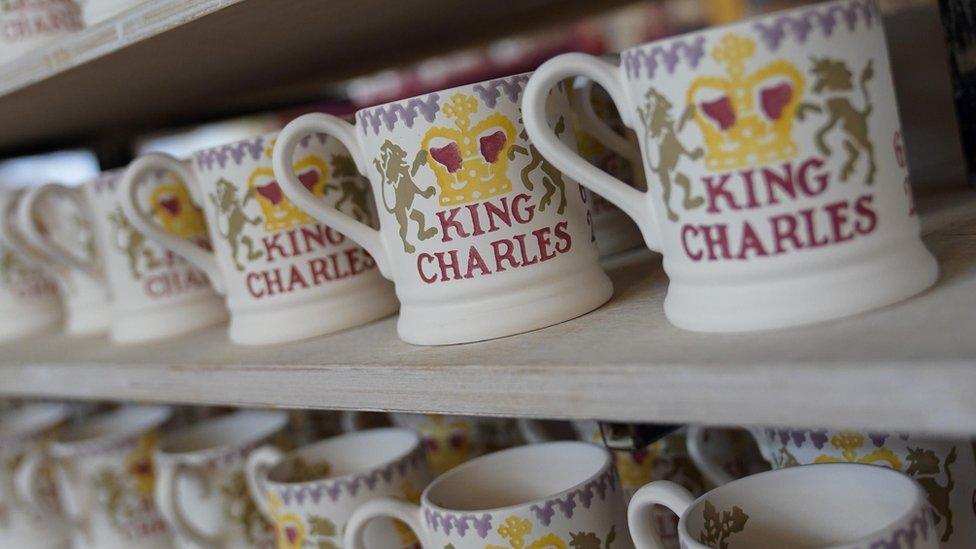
column 310, row 493
column 945, row 468
column 828, row 506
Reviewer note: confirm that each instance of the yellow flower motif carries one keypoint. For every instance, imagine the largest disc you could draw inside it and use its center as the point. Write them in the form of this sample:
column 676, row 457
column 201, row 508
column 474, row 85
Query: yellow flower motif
column 140, row 465
column 850, row 443
column 515, row 529
column 289, row 528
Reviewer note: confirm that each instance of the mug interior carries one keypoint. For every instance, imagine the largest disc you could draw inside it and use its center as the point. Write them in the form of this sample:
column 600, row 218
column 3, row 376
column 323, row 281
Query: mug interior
column 808, row 506
column 517, row 476
column 348, row 454
column 31, row 418
column 126, row 421
column 233, row 429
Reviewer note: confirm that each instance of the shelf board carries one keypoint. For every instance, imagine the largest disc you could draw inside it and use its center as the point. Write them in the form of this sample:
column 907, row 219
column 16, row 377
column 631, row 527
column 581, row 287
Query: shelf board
column 910, row 366
column 170, row 62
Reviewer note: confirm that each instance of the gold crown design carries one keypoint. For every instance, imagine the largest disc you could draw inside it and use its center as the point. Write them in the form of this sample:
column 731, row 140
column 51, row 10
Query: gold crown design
column 175, row 210
column 850, row 444
column 746, row 118
column 279, row 212
column 469, row 161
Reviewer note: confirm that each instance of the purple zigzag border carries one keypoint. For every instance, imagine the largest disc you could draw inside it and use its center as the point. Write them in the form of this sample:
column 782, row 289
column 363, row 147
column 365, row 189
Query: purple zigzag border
column 512, row 86
column 801, row 23
column 461, row 523
column 392, row 113
column 651, row 56
column 916, row 532
column 605, row 482
column 350, row 484
column 236, row 152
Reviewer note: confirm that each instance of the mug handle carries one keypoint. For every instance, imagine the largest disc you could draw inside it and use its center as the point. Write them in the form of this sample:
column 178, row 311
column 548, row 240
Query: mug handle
column 27, row 217
column 599, row 130
column 128, row 187
column 255, row 474
column 408, row 513
column 675, row 497
column 633, row 202
column 168, row 502
column 25, row 481
column 284, row 150
column 710, row 469
column 532, row 430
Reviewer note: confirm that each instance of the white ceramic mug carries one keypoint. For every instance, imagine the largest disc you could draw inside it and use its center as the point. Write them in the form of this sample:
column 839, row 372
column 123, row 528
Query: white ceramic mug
column 28, row 25
column 201, row 490
column 945, row 468
column 57, row 221
column 831, row 506
column 779, row 193
column 541, row 495
column 103, row 468
column 285, row 276
column 29, row 302
column 156, row 294
column 480, row 235
column 310, row 493
column 29, row 515
column 452, row 440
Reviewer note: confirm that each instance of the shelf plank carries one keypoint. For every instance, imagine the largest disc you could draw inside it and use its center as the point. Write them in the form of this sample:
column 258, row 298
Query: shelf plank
column 910, row 366
column 170, row 62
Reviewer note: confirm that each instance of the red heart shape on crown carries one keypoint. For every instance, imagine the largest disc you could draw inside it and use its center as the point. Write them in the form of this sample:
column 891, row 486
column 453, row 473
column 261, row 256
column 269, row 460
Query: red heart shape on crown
column 271, row 191
column 309, row 179
column 720, row 111
column 491, row 145
column 291, row 532
column 774, row 99
column 171, row 205
column 448, row 156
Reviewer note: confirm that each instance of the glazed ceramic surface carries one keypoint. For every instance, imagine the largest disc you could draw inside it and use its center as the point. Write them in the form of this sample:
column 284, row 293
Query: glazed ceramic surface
column 452, row 440
column 201, row 488
column 309, row 494
column 106, row 476
column 481, row 236
column 556, row 494
column 29, row 519
column 285, row 276
column 828, row 506
column 779, row 192
column 156, row 294
column 29, row 302
column 57, row 221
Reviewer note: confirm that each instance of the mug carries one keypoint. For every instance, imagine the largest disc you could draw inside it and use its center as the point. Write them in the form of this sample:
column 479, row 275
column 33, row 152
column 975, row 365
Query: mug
column 779, row 193
column 452, row 440
column 104, row 473
column 156, row 294
column 28, row 25
column 310, row 493
column 29, row 515
column 285, row 276
column 482, row 237
column 56, row 221
column 29, row 303
column 829, row 506
column 542, row 495
column 200, row 486
column 946, row 469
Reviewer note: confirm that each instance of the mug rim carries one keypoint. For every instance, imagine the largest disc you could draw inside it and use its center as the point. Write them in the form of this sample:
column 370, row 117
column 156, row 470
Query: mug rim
column 51, row 415
column 919, row 500
column 426, row 503
column 290, row 456
column 271, row 421
column 448, row 91
column 155, row 416
column 740, row 23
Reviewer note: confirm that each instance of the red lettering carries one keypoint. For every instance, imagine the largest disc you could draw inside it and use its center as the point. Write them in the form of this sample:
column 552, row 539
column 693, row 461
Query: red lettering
column 867, row 218
column 782, row 233
column 501, row 256
column 750, row 241
column 421, row 258
column 475, row 261
column 448, row 222
column 565, row 242
column 686, row 231
column 715, row 190
column 838, row 221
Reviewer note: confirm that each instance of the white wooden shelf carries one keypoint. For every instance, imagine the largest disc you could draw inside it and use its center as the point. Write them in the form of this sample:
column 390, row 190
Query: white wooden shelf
column 168, row 62
column 911, row 366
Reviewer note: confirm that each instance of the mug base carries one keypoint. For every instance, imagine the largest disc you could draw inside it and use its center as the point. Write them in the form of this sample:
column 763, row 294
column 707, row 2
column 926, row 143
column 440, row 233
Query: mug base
column 529, row 308
column 171, row 321
column 823, row 295
column 316, row 318
column 89, row 320
column 27, row 324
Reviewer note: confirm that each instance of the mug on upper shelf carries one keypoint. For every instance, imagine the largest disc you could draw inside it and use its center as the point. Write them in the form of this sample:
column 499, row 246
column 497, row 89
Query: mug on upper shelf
column 779, row 193
column 285, row 277
column 482, row 237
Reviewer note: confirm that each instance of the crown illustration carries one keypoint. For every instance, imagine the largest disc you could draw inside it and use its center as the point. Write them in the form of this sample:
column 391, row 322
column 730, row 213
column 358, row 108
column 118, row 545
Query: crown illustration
column 746, row 118
column 175, row 210
column 470, row 161
column 850, row 445
column 279, row 212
